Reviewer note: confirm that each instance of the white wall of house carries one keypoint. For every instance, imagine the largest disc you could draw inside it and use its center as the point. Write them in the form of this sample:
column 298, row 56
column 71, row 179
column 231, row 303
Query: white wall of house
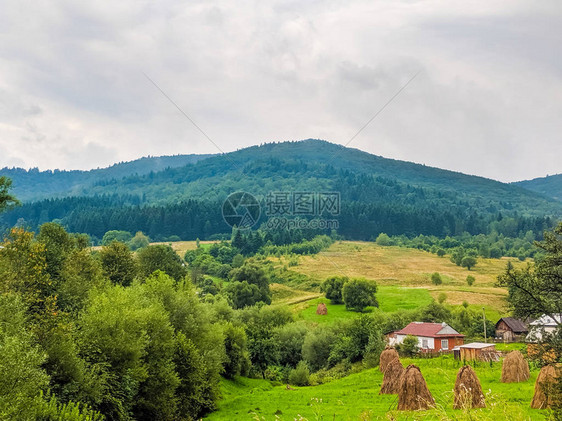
column 423, row 342
column 536, row 332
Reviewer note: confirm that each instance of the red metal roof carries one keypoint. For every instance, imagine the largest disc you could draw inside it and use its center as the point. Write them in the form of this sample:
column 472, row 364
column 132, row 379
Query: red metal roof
column 430, row 330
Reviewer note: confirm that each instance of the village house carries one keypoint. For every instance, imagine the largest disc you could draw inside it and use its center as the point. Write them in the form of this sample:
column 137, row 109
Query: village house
column 509, row 329
column 544, row 325
column 432, row 337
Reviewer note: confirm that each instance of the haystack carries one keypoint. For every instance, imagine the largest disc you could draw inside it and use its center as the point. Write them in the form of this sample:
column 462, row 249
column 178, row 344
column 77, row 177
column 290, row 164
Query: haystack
column 545, row 387
column 392, row 376
column 468, row 391
column 321, row 309
column 413, row 393
column 386, row 357
column 515, row 368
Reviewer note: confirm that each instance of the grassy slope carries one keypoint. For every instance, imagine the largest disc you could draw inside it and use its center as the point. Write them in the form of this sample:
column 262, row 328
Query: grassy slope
column 356, row 397
column 403, row 276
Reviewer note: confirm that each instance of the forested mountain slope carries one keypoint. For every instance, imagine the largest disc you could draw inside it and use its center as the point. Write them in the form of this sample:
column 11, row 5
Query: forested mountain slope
column 33, row 184
column 550, row 186
column 377, row 195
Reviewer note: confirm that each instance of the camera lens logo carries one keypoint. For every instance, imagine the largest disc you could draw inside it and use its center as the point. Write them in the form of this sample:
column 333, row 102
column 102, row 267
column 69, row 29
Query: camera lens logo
column 241, row 209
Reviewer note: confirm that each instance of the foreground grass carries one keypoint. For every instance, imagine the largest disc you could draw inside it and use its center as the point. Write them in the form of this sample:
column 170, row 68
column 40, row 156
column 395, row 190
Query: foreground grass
column 356, row 397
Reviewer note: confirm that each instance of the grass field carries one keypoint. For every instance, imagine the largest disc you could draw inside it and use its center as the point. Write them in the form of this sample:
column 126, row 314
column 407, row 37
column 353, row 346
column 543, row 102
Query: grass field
column 391, row 299
column 180, row 247
column 356, row 397
column 403, row 276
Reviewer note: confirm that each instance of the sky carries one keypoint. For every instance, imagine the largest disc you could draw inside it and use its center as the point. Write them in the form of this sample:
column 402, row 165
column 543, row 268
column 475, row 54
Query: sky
column 487, row 99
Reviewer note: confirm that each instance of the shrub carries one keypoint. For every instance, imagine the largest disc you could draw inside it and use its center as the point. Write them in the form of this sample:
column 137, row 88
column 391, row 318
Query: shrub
column 468, row 262
column 118, row 263
column 436, row 279
column 317, row 347
column 160, row 257
column 442, row 297
column 333, row 286
column 470, row 280
column 358, row 294
column 383, row 240
column 300, row 376
column 409, row 346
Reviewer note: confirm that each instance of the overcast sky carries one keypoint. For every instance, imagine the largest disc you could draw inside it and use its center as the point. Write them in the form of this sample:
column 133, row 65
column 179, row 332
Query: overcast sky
column 487, row 99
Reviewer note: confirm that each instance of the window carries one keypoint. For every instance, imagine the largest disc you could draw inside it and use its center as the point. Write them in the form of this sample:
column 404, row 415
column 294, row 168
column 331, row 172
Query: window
column 444, row 344
column 424, row 344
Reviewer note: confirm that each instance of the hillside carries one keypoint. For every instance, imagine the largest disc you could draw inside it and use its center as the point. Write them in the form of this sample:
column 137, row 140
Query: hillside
column 312, row 164
column 30, row 185
column 550, row 186
column 377, row 194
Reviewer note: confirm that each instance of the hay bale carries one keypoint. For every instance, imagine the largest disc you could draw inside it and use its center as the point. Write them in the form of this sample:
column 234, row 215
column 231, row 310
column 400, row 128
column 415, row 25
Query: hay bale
column 321, row 309
column 413, row 394
column 392, row 376
column 386, row 357
column 545, row 387
column 515, row 368
column 468, row 391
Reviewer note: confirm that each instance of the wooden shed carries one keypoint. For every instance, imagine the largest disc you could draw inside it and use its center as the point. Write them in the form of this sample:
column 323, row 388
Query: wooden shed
column 509, row 329
column 476, row 351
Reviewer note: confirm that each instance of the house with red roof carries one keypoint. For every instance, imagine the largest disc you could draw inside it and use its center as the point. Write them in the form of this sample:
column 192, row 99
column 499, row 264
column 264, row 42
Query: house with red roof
column 432, row 337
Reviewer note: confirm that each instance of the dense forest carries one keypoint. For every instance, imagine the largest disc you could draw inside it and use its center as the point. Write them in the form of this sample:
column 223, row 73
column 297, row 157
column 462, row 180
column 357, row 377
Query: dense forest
column 34, row 184
column 377, row 196
column 550, row 186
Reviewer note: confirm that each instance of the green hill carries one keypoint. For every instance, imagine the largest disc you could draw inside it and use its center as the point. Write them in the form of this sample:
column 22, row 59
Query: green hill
column 33, row 184
column 377, row 194
column 550, row 186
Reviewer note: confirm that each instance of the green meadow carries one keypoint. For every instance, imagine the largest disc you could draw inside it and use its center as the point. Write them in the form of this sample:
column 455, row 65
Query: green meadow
column 356, row 397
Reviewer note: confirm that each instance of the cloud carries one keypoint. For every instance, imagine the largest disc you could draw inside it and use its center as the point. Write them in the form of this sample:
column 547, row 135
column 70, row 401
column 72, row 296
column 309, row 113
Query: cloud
column 487, row 100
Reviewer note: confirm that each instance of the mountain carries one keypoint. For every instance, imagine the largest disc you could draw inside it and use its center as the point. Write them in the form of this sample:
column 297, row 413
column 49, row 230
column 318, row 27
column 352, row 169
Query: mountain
column 550, row 186
column 33, row 184
column 316, row 164
column 377, row 195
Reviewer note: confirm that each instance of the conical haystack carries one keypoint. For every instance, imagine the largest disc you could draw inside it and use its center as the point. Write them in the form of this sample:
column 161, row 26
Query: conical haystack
column 321, row 309
column 468, row 391
column 386, row 357
column 515, row 368
column 545, row 387
column 392, row 377
column 413, row 393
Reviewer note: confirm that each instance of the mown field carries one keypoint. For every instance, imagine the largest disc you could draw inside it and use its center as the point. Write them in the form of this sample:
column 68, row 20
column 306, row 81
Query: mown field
column 402, row 274
column 356, row 397
column 404, row 277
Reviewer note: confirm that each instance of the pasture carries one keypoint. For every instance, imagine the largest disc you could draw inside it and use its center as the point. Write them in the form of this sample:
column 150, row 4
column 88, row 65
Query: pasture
column 356, row 397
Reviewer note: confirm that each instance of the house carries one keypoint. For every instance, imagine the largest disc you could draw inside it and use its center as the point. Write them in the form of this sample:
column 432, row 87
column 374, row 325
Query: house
column 432, row 337
column 476, row 351
column 509, row 329
column 542, row 326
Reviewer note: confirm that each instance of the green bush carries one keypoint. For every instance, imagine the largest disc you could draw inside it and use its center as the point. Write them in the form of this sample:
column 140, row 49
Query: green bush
column 358, row 294
column 470, row 280
column 300, row 376
column 383, row 240
column 436, row 278
column 333, row 287
column 409, row 346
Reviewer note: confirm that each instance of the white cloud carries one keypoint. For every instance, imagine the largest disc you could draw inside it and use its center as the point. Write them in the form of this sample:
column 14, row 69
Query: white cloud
column 487, row 100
